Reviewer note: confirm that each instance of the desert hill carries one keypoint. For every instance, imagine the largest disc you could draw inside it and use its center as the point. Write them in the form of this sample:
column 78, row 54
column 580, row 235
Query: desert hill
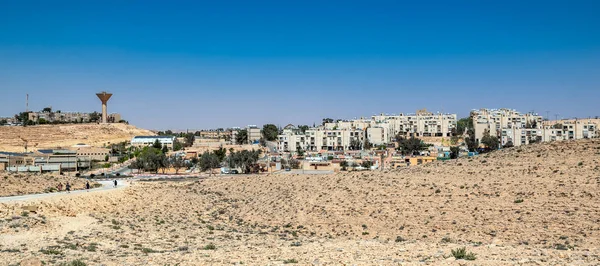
column 52, row 136
column 537, row 205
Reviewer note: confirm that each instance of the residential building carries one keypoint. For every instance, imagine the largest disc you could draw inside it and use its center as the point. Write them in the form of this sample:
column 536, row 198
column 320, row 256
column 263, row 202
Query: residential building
column 501, row 122
column 518, row 129
column 68, row 117
column 254, row 134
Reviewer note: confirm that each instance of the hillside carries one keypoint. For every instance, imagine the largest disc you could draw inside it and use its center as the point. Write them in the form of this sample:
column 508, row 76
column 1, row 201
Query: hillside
column 52, row 136
column 537, row 205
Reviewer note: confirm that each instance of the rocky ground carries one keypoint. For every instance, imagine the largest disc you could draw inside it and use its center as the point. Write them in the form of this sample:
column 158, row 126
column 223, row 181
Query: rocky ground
column 534, row 205
column 53, row 136
column 14, row 184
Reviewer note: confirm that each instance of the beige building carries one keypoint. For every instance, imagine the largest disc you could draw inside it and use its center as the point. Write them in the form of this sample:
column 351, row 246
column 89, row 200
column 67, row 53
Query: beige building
column 68, row 117
column 420, row 124
column 254, row 133
column 316, row 139
column 97, row 154
column 521, row 129
column 500, row 121
column 378, row 130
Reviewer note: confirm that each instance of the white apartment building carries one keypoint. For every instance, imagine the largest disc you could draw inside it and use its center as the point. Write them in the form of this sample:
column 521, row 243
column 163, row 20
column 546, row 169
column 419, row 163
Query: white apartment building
column 420, row 124
column 316, row 139
column 521, row 129
column 496, row 121
column 378, row 130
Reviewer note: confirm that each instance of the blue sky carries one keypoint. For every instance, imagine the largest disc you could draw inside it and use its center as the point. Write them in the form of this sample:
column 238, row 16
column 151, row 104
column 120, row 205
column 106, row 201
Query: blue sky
column 208, row 64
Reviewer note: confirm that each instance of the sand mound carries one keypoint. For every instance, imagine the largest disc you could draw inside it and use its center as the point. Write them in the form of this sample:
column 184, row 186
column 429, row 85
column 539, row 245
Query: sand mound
column 537, row 204
column 14, row 184
column 53, row 136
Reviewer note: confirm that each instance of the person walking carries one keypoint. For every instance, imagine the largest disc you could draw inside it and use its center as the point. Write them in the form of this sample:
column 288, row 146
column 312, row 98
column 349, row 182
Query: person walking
column 68, row 187
column 87, row 185
column 59, row 187
column 115, row 183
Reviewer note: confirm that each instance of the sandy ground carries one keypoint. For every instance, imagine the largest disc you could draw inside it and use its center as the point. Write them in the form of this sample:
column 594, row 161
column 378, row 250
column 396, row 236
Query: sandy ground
column 53, row 136
column 534, row 205
column 13, row 184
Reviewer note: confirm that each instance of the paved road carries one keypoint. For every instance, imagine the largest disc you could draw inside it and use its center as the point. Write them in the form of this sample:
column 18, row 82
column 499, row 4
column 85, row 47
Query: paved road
column 106, row 185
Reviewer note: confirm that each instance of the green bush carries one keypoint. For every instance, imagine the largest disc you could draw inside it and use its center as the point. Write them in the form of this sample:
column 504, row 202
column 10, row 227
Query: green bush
column 461, row 253
column 210, row 247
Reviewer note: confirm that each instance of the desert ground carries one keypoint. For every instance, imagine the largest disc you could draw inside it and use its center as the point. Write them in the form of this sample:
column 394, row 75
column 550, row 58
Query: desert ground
column 533, row 205
column 53, row 136
column 15, row 184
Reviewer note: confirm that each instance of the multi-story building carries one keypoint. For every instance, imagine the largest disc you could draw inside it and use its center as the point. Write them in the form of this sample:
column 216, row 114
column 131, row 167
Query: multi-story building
column 518, row 129
column 316, row 139
column 420, row 124
column 501, row 122
column 379, row 130
column 254, row 134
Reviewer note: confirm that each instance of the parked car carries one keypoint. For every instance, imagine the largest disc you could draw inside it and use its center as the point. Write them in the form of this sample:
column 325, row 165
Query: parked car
column 234, row 172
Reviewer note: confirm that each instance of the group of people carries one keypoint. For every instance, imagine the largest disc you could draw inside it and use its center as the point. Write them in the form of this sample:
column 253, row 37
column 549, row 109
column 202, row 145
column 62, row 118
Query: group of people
column 67, row 186
column 87, row 186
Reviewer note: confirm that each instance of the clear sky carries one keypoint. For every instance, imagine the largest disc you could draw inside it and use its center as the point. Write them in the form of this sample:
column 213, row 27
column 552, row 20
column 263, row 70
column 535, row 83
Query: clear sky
column 208, row 64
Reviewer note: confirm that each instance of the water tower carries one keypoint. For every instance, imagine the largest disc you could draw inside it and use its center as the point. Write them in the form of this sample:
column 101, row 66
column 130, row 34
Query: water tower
column 104, row 96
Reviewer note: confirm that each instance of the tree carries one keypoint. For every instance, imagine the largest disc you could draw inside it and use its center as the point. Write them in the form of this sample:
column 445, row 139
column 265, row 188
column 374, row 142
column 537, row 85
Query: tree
column 294, row 164
column 491, row 142
column 344, row 165
column 270, row 132
column 368, row 145
column 221, row 153
column 42, row 121
column 189, row 139
column 47, row 110
column 165, row 149
column 366, row 164
column 3, row 122
column 244, row 159
column 410, row 146
column 23, row 117
column 95, row 116
column 557, row 126
column 462, row 125
column 241, row 137
column 454, row 152
column 327, row 120
column 208, row 161
column 164, row 162
column 299, row 151
column 471, row 142
column 508, row 144
column 157, row 145
column 177, row 146
column 177, row 162
column 150, row 159
column 355, row 144
column 303, row 128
